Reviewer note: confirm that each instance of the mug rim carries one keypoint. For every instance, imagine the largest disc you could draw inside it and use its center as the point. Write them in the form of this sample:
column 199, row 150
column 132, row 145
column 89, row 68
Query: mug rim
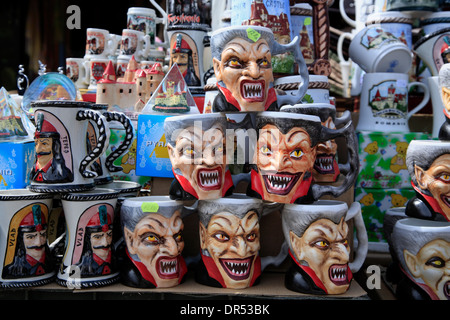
column 61, row 103
column 161, row 200
column 234, row 198
column 322, row 203
column 308, row 105
column 237, row 27
column 429, row 36
column 296, row 116
column 91, row 195
column 414, row 223
column 23, row 194
column 212, row 115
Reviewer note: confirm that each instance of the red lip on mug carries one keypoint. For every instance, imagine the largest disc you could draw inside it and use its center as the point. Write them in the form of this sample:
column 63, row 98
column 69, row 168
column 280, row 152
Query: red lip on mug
column 210, row 179
column 237, row 269
column 253, row 91
column 167, row 267
column 280, row 183
column 338, row 274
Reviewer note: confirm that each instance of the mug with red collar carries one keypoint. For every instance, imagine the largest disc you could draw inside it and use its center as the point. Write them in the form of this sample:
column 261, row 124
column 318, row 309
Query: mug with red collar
column 89, row 259
column 25, row 253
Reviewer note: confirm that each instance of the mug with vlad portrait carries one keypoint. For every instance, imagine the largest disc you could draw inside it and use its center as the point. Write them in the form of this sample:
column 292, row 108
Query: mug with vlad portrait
column 230, row 241
column 152, row 228
column 428, row 163
column 90, row 258
column 422, row 250
column 242, row 58
column 63, row 156
column 27, row 260
column 326, row 167
column 320, row 244
column 284, row 157
column 197, row 151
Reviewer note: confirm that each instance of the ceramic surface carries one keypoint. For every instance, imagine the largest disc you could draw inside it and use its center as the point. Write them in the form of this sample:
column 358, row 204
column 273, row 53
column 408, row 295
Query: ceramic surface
column 134, row 43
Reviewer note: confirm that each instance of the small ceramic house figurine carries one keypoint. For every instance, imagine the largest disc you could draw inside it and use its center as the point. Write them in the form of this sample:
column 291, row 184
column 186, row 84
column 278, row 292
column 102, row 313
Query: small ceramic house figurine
column 242, row 58
column 428, row 163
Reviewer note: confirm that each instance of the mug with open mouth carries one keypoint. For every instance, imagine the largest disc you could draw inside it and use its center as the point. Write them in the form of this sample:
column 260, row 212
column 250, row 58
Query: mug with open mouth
column 230, row 241
column 422, row 249
column 285, row 153
column 326, row 167
column 197, row 151
column 90, row 258
column 320, row 244
column 242, row 60
column 25, row 253
column 153, row 234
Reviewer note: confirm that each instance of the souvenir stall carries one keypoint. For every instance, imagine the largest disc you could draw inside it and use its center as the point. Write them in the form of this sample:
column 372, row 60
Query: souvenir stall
column 292, row 149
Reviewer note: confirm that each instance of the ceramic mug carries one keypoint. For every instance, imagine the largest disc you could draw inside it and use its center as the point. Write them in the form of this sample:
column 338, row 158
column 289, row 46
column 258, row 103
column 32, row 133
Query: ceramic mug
column 428, row 165
column 418, row 5
column 397, row 23
column 97, row 67
column 77, row 72
column 152, row 229
column 99, row 43
column 433, row 50
column 62, row 156
column 196, row 147
column 302, row 24
column 377, row 50
column 384, row 102
column 230, row 241
column 439, row 113
column 89, row 258
column 27, row 260
column 242, row 54
column 326, row 167
column 134, row 43
column 441, row 84
column 285, row 152
column 144, row 20
column 422, row 249
column 362, row 8
column 104, row 165
column 320, row 243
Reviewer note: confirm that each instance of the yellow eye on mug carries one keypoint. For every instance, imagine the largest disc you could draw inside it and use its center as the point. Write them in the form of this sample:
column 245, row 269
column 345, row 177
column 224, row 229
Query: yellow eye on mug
column 296, row 153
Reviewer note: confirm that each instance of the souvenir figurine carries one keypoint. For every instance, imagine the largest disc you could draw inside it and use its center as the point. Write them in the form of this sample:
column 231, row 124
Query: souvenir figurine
column 318, row 237
column 153, row 232
column 428, row 163
column 422, row 248
column 285, row 154
column 242, row 66
column 196, row 147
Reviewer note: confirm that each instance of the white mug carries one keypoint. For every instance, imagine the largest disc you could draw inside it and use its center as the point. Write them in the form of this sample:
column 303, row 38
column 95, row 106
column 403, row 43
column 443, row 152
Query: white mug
column 384, row 102
column 77, row 71
column 96, row 67
column 318, row 87
column 362, row 9
column 134, row 43
column 99, row 43
column 377, row 50
column 397, row 23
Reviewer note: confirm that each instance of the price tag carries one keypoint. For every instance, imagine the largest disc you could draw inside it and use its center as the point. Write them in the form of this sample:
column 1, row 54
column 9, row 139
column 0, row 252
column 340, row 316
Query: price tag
column 150, row 207
column 253, row 34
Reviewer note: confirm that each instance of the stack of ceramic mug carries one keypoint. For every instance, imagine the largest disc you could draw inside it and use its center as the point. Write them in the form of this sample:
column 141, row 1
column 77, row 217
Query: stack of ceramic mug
column 276, row 141
column 71, row 197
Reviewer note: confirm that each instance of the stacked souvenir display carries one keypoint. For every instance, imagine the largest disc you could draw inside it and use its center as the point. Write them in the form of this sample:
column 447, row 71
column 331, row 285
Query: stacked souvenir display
column 419, row 233
column 385, row 56
column 287, row 156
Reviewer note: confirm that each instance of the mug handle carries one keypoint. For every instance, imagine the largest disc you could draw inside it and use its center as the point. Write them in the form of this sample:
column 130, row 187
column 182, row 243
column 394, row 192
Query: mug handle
column 426, row 97
column 125, row 145
column 275, row 260
column 344, row 15
column 354, row 212
column 294, row 46
column 352, row 168
column 102, row 140
column 146, row 47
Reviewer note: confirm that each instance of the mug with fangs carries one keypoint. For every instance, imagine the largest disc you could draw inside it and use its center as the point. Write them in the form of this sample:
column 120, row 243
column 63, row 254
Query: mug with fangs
column 285, row 153
column 320, row 245
column 242, row 60
column 230, row 241
column 196, row 147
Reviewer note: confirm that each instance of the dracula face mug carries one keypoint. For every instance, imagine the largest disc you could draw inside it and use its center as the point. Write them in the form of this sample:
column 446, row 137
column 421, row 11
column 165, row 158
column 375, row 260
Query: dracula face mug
column 153, row 232
column 422, row 248
column 243, row 68
column 428, row 163
column 89, row 259
column 230, row 241
column 197, row 151
column 319, row 240
column 63, row 156
column 284, row 157
column 326, row 167
column 26, row 259
column 384, row 102
column 377, row 50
